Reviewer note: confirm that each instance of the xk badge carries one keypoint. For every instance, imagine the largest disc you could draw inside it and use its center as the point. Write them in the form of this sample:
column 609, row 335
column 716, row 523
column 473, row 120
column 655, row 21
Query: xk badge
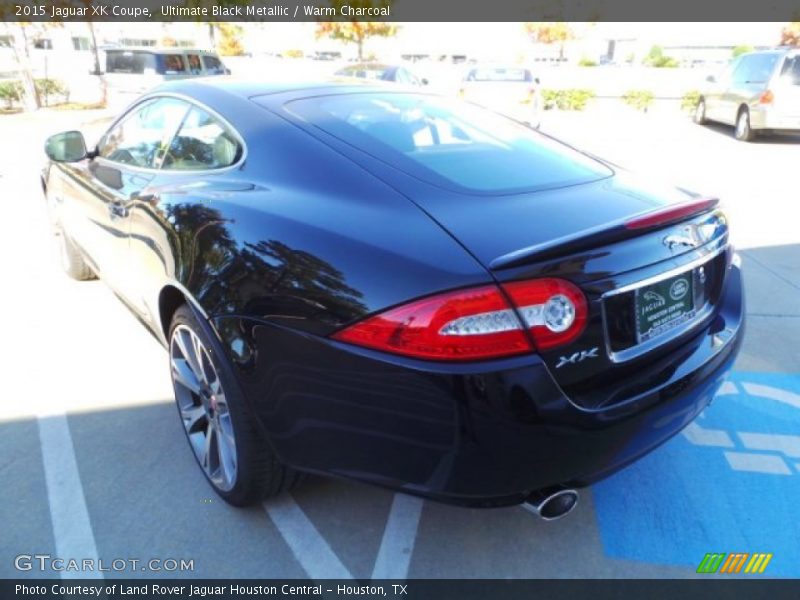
column 577, row 357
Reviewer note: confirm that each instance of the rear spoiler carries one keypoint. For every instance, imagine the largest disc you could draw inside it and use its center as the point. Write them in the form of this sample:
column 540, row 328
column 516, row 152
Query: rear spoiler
column 608, row 233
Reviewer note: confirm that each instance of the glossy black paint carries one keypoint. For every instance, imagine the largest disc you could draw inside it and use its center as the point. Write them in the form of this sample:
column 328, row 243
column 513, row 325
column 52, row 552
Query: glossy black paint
column 309, row 234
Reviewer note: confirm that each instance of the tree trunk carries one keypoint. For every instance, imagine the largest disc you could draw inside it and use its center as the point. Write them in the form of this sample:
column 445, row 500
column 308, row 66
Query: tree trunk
column 31, row 99
column 97, row 70
column 360, row 42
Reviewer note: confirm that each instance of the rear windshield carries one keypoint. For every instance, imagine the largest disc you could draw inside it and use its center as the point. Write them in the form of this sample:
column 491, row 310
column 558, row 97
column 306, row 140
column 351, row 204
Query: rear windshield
column 791, row 70
column 374, row 73
column 448, row 142
column 129, row 62
column 499, row 74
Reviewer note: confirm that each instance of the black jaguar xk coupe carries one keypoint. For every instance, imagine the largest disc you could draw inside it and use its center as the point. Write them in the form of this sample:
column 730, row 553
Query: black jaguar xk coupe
column 399, row 288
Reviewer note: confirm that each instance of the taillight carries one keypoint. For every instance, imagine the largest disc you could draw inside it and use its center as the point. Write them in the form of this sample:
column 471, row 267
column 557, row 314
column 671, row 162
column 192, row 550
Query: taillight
column 477, row 323
column 767, row 97
column 671, row 214
column 553, row 310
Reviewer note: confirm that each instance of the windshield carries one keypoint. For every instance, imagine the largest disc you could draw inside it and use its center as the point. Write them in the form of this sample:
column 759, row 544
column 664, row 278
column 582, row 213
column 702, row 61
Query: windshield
column 449, row 142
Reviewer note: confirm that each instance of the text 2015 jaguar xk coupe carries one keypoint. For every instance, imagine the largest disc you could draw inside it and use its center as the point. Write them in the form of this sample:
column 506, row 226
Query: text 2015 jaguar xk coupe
column 399, row 288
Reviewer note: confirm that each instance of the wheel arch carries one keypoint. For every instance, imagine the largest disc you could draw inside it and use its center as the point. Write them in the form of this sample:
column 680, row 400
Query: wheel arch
column 170, row 298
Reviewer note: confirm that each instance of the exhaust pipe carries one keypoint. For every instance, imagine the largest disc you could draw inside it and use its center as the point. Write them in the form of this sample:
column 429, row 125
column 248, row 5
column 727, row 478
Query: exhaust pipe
column 551, row 504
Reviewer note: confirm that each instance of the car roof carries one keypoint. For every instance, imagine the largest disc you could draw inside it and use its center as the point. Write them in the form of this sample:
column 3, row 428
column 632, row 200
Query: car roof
column 158, row 49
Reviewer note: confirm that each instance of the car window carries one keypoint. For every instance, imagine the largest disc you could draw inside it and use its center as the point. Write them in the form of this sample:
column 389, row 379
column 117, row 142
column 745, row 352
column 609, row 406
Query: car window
column 202, row 142
column 195, row 66
column 791, row 70
column 365, row 72
column 448, row 142
column 173, row 63
column 213, row 65
column 755, row 68
column 130, row 62
column 140, row 138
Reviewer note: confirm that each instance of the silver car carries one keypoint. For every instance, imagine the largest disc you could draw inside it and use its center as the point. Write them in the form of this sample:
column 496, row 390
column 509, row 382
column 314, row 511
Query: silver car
column 510, row 90
column 758, row 91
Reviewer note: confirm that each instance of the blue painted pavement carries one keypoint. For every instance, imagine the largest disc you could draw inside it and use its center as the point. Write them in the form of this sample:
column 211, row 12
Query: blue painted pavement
column 729, row 483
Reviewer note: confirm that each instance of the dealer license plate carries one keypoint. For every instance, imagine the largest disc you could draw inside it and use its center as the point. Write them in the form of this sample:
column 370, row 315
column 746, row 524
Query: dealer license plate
column 663, row 306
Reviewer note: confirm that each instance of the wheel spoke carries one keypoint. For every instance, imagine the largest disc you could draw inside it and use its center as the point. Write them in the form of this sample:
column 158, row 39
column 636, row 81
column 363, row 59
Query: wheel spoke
column 209, row 452
column 193, row 418
column 183, row 374
column 227, row 455
column 185, row 341
column 199, row 354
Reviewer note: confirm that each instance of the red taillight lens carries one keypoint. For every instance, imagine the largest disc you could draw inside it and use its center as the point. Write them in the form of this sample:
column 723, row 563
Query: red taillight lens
column 553, row 310
column 671, row 214
column 767, row 97
column 462, row 325
column 477, row 323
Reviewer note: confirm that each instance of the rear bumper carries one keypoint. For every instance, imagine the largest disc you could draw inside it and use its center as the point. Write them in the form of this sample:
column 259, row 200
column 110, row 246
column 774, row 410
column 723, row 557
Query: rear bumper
column 484, row 434
column 766, row 117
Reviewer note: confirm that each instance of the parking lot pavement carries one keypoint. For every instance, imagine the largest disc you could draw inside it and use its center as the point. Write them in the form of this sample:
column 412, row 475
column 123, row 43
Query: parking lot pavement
column 94, row 462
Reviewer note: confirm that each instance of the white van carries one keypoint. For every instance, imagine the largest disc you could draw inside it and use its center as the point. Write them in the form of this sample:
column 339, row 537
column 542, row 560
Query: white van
column 130, row 72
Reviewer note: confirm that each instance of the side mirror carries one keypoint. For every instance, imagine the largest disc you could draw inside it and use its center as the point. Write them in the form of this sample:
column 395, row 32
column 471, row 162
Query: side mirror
column 66, row 147
column 424, row 81
column 711, row 79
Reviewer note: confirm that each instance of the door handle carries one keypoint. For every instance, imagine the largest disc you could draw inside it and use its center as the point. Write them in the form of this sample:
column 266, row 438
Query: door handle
column 118, row 210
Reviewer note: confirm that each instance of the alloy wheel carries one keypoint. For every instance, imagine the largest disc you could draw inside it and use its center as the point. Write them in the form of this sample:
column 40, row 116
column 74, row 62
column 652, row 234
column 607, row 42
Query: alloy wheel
column 203, row 408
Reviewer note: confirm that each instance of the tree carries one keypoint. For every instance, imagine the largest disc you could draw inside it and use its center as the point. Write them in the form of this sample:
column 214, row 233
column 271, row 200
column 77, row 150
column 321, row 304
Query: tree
column 790, row 35
column 657, row 58
column 20, row 47
column 551, row 32
column 230, row 43
column 356, row 32
column 741, row 49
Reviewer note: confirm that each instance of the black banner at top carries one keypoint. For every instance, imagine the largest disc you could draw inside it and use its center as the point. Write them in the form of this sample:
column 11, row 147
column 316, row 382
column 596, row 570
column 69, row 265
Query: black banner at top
column 397, row 10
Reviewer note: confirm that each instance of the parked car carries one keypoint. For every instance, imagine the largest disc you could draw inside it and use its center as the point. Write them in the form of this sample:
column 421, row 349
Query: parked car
column 510, row 90
column 757, row 92
column 130, row 72
column 400, row 288
column 381, row 72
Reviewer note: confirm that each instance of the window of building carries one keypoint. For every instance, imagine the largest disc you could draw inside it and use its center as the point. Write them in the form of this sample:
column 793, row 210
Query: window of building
column 81, row 44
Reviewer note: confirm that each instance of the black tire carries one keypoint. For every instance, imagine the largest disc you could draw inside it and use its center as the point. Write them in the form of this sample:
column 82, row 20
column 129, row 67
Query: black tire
column 71, row 259
column 258, row 472
column 699, row 115
column 742, row 130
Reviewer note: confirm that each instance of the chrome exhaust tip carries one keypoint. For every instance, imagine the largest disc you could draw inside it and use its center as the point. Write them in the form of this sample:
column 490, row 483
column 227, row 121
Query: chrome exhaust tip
column 551, row 504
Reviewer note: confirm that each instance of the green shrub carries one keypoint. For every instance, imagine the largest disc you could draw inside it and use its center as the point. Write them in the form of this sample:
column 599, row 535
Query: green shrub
column 52, row 88
column 657, row 58
column 587, row 62
column 638, row 99
column 571, row 99
column 739, row 50
column 11, row 92
column 690, row 99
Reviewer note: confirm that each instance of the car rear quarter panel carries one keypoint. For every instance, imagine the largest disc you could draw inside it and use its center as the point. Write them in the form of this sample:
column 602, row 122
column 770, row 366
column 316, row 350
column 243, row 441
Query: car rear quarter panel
column 298, row 235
